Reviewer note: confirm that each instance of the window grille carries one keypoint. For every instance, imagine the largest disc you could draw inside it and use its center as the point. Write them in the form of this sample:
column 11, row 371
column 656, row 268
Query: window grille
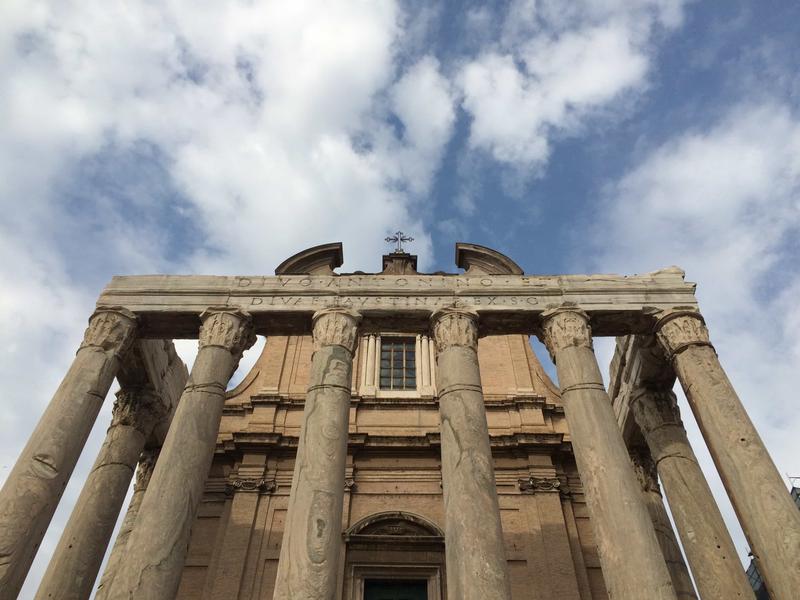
column 398, row 363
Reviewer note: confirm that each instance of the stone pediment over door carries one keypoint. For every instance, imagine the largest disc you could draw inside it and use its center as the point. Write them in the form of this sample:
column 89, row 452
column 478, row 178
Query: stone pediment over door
column 394, row 547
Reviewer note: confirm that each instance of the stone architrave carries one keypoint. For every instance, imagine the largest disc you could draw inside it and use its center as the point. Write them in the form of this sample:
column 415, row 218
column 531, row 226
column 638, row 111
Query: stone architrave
column 33, row 489
column 157, row 546
column 309, row 557
column 144, row 472
column 708, row 545
column 73, row 568
column 629, row 551
column 645, row 469
column 474, row 547
column 766, row 511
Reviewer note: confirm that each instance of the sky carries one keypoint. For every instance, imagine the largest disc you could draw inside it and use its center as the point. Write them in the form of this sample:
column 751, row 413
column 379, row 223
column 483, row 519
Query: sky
column 610, row 136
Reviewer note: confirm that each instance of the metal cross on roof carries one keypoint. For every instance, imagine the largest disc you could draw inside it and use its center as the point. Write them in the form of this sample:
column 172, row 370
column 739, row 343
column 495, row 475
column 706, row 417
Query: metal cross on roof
column 398, row 238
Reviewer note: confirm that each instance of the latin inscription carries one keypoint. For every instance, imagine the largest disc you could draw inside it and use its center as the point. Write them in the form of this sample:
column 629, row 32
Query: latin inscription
column 385, row 301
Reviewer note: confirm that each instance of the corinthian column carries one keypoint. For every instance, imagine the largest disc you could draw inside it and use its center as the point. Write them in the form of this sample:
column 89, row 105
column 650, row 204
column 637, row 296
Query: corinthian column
column 76, row 561
column 474, row 547
column 311, row 544
column 157, row 546
column 629, row 552
column 34, row 487
column 144, row 472
column 768, row 515
column 645, row 469
column 709, row 547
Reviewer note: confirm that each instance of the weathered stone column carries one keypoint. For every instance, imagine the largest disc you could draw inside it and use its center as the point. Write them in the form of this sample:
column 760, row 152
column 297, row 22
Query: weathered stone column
column 768, row 515
column 144, row 472
column 157, row 545
column 629, row 552
column 708, row 545
column 309, row 557
column 474, row 546
column 646, row 473
column 73, row 568
column 32, row 491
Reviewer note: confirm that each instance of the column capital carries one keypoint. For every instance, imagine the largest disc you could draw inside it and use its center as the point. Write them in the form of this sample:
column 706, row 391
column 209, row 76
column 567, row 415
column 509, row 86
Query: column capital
column 455, row 327
column 228, row 328
column 564, row 327
column 111, row 328
column 677, row 330
column 138, row 407
column 652, row 409
column 335, row 326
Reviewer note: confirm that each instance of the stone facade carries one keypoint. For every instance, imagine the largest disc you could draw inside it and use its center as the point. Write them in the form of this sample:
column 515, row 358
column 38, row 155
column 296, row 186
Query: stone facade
column 397, row 429
column 393, row 514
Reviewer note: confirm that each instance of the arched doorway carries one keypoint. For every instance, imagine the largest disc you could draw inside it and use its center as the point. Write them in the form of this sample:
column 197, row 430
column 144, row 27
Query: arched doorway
column 394, row 556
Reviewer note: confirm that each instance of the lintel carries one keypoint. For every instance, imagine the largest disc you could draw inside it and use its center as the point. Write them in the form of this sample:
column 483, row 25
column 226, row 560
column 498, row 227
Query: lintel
column 169, row 305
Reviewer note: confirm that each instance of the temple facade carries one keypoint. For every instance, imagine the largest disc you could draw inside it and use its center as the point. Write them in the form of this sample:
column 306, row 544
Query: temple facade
column 393, row 517
column 397, row 439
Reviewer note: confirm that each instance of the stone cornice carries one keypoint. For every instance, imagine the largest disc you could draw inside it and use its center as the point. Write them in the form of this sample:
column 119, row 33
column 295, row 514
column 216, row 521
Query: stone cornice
column 168, row 306
column 242, row 441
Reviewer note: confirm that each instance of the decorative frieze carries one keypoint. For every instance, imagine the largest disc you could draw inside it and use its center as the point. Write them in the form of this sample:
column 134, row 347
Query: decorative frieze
column 253, row 484
column 677, row 330
column 112, row 329
column 455, row 327
column 532, row 484
column 564, row 327
column 335, row 327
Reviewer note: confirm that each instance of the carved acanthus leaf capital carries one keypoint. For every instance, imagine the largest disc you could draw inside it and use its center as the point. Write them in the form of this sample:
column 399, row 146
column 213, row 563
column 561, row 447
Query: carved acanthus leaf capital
column 335, row 327
column 112, row 329
column 228, row 328
column 138, row 407
column 652, row 409
column 565, row 327
column 679, row 329
column 455, row 327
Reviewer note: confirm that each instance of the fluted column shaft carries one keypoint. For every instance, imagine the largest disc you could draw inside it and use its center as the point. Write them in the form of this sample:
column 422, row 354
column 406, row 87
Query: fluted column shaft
column 768, row 515
column 629, row 552
column 309, row 558
column 73, row 568
column 708, row 545
column 645, row 469
column 157, row 546
column 144, row 472
column 33, row 489
column 474, row 546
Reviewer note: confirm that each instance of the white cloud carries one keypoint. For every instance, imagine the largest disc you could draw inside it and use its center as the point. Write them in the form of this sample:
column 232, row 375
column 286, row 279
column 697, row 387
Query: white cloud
column 724, row 204
column 267, row 126
column 553, row 66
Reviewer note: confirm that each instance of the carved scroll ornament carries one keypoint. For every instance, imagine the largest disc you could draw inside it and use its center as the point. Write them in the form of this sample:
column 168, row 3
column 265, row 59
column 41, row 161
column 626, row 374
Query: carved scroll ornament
column 111, row 328
column 533, row 484
column 227, row 328
column 335, row 327
column 565, row 327
column 455, row 327
column 678, row 330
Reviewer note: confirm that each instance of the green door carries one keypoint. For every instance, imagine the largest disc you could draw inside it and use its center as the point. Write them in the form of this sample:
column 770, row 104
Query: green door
column 378, row 589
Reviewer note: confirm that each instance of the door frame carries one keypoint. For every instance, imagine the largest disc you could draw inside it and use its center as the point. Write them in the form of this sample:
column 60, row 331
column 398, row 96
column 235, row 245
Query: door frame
column 361, row 572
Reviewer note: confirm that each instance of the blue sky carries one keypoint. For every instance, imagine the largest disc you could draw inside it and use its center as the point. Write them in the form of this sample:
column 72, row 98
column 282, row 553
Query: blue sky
column 592, row 136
